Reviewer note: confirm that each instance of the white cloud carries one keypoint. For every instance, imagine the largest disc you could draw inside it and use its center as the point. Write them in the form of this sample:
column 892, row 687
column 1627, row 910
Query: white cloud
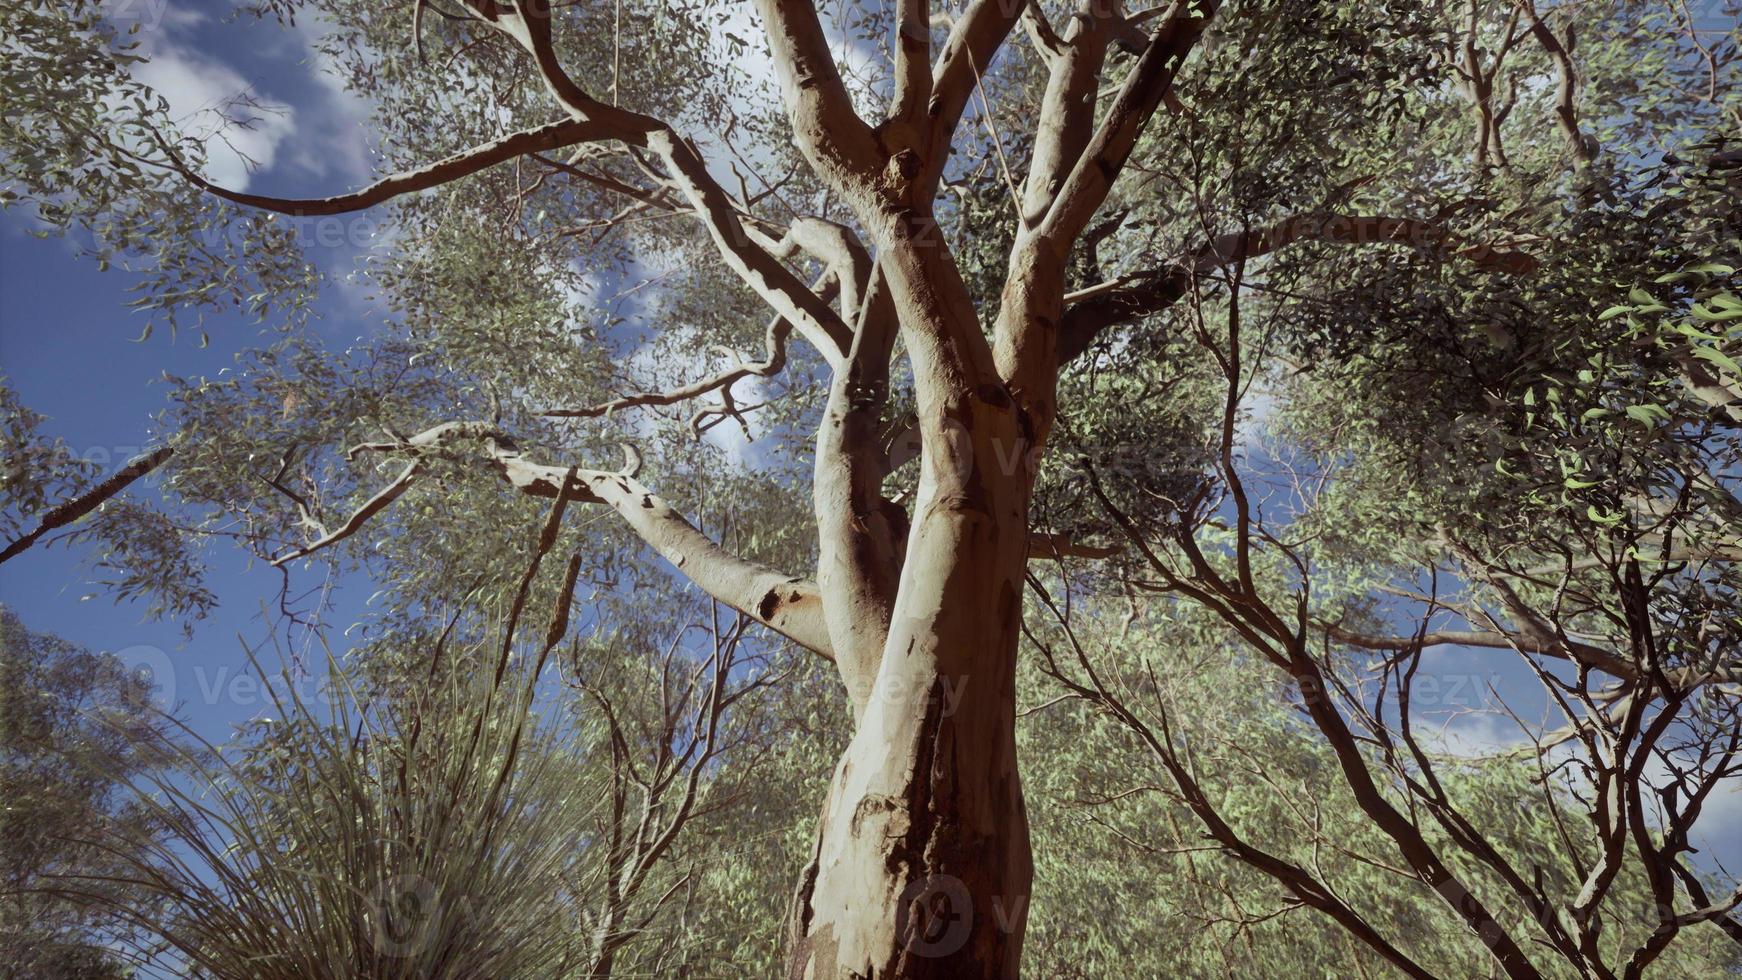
column 203, row 96
column 1716, row 833
column 666, row 359
column 1476, row 733
column 151, row 15
column 340, row 144
column 1484, row 734
column 244, row 138
column 1258, row 407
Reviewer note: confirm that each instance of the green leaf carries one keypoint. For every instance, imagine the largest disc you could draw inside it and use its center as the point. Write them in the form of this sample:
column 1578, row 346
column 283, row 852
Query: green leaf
column 1716, row 316
column 1647, row 414
column 1719, row 358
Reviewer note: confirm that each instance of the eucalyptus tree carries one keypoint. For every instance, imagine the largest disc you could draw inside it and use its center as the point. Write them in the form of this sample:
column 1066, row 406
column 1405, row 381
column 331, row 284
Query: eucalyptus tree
column 994, row 228
column 75, row 728
column 1136, row 882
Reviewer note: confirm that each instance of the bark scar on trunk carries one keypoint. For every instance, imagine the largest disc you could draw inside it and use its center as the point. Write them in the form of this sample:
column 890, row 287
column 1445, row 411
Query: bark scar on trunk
column 802, row 940
column 873, row 806
column 929, row 839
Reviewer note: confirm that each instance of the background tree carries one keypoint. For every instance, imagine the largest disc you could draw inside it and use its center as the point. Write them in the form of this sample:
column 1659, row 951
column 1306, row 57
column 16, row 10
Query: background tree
column 1135, row 880
column 75, row 726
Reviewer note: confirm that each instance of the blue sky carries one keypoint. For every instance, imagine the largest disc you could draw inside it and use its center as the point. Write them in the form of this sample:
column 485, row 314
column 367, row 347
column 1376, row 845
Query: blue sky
column 66, row 336
column 65, row 346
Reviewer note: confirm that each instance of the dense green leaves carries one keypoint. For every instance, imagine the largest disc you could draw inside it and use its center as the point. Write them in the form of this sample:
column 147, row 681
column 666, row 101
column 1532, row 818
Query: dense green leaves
column 75, row 728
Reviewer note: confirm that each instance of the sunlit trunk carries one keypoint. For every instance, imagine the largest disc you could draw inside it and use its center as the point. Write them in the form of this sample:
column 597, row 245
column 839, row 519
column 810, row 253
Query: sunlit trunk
column 922, row 864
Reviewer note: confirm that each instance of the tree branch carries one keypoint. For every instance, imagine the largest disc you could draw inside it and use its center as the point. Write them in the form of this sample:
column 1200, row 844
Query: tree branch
column 784, row 603
column 912, row 62
column 772, row 363
column 374, row 505
column 71, row 510
column 548, row 137
column 967, row 54
column 833, row 137
column 1489, row 639
column 1092, row 177
column 1582, row 147
column 1066, row 119
column 1134, row 296
column 861, row 535
column 592, row 121
column 1054, row 545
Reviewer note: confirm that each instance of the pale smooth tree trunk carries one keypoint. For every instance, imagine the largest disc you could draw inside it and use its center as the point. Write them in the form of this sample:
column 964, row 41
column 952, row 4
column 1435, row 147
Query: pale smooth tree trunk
column 922, row 865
